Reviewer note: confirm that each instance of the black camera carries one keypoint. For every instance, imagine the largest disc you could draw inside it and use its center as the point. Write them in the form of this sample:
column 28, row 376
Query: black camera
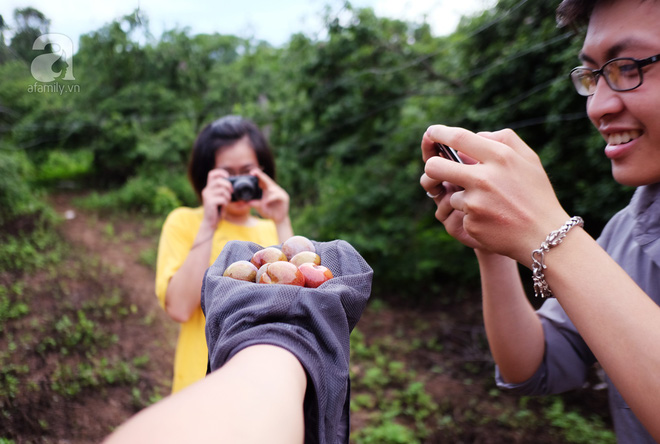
column 245, row 188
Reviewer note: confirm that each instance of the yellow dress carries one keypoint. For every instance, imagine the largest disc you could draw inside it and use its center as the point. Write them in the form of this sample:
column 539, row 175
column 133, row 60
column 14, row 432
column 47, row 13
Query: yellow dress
column 177, row 237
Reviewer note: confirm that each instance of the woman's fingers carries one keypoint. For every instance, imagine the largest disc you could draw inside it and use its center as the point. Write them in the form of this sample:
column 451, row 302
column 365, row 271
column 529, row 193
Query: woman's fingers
column 218, row 189
column 275, row 201
column 265, row 181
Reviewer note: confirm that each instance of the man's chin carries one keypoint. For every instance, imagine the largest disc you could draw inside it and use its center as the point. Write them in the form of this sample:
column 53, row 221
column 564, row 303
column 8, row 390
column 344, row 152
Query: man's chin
column 632, row 178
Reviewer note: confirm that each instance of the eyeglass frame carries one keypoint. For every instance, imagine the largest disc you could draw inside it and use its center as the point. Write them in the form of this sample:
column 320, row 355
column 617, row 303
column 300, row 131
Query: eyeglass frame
column 639, row 64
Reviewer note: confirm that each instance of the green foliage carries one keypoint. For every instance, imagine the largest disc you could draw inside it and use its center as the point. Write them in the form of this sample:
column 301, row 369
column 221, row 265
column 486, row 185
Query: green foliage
column 30, row 24
column 388, row 385
column 396, row 399
column 26, row 237
column 387, row 433
column 10, row 379
column 140, row 194
column 15, row 81
column 352, row 163
column 576, row 428
column 169, row 147
column 34, row 248
column 69, row 381
column 82, row 333
column 62, row 165
column 15, row 193
column 11, row 307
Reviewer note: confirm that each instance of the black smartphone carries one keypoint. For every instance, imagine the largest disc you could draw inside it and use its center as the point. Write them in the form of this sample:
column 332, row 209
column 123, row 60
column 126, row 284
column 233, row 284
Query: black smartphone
column 447, row 152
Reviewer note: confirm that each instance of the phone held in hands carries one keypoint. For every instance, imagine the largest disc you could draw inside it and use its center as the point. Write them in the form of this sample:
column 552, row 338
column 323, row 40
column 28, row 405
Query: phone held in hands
column 447, row 152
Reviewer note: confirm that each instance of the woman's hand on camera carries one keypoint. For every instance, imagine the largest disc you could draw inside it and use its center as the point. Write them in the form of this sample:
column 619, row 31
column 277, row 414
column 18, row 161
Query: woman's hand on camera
column 274, row 203
column 215, row 196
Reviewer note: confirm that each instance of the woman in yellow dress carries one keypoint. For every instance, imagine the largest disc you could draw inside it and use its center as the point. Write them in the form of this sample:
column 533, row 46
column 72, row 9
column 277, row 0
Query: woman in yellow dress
column 192, row 238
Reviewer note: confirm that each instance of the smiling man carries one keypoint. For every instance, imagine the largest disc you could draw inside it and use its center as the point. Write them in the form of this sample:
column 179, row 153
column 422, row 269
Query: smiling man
column 607, row 292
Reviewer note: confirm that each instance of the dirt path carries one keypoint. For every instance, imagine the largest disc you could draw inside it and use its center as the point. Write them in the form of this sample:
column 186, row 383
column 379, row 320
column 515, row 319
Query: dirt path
column 120, row 250
column 118, row 244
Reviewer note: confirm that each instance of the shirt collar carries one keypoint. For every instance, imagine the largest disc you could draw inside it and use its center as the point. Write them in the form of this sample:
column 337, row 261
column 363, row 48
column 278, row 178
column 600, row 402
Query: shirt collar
column 645, row 206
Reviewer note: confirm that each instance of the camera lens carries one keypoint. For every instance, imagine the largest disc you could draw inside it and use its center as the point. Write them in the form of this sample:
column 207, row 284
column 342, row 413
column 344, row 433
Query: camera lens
column 245, row 188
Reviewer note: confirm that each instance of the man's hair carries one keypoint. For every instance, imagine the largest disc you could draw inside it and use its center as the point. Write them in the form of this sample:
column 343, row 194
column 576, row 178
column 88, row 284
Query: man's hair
column 576, row 13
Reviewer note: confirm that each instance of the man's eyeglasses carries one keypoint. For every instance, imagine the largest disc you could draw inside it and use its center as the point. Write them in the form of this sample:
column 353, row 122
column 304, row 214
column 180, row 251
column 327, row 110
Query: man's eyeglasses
column 621, row 74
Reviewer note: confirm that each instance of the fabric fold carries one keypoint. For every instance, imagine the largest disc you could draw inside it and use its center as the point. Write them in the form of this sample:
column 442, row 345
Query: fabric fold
column 314, row 324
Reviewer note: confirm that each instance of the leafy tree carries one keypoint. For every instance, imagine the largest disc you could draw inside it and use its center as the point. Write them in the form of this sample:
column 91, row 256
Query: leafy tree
column 4, row 50
column 29, row 119
column 30, row 24
column 352, row 159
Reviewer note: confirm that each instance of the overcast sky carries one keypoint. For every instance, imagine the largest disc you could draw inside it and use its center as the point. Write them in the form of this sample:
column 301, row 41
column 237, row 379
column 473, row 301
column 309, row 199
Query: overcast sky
column 271, row 20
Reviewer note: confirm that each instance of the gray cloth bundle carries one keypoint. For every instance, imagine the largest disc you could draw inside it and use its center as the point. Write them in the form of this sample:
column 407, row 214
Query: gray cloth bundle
column 312, row 323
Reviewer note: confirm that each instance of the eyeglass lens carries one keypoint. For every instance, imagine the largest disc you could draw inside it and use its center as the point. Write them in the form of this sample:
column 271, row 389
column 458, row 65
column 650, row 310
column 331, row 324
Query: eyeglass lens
column 620, row 75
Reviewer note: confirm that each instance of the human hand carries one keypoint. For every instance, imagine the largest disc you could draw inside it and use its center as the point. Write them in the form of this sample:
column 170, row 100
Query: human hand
column 215, row 196
column 507, row 201
column 274, row 203
column 451, row 218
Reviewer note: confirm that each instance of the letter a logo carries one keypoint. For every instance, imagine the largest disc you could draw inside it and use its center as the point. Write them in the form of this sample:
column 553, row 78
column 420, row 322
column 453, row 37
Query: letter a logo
column 42, row 65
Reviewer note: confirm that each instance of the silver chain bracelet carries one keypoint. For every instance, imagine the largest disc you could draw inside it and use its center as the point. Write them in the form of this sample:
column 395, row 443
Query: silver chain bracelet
column 555, row 238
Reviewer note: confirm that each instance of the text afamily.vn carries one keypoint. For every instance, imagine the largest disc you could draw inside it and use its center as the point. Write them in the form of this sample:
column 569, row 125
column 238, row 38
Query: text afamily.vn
column 53, row 88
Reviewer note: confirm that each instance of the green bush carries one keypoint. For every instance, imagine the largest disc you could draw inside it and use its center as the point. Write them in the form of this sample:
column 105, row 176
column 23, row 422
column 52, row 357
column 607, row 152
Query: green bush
column 16, row 195
column 27, row 238
column 140, row 194
column 63, row 165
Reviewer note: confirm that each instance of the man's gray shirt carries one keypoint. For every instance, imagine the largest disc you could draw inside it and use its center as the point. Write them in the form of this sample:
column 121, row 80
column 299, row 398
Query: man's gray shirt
column 632, row 239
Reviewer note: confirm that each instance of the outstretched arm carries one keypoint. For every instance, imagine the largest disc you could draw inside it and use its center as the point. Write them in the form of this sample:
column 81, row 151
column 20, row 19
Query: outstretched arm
column 254, row 398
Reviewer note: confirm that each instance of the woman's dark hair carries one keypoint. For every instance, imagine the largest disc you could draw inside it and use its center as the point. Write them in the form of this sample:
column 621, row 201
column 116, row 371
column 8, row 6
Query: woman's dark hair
column 220, row 134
